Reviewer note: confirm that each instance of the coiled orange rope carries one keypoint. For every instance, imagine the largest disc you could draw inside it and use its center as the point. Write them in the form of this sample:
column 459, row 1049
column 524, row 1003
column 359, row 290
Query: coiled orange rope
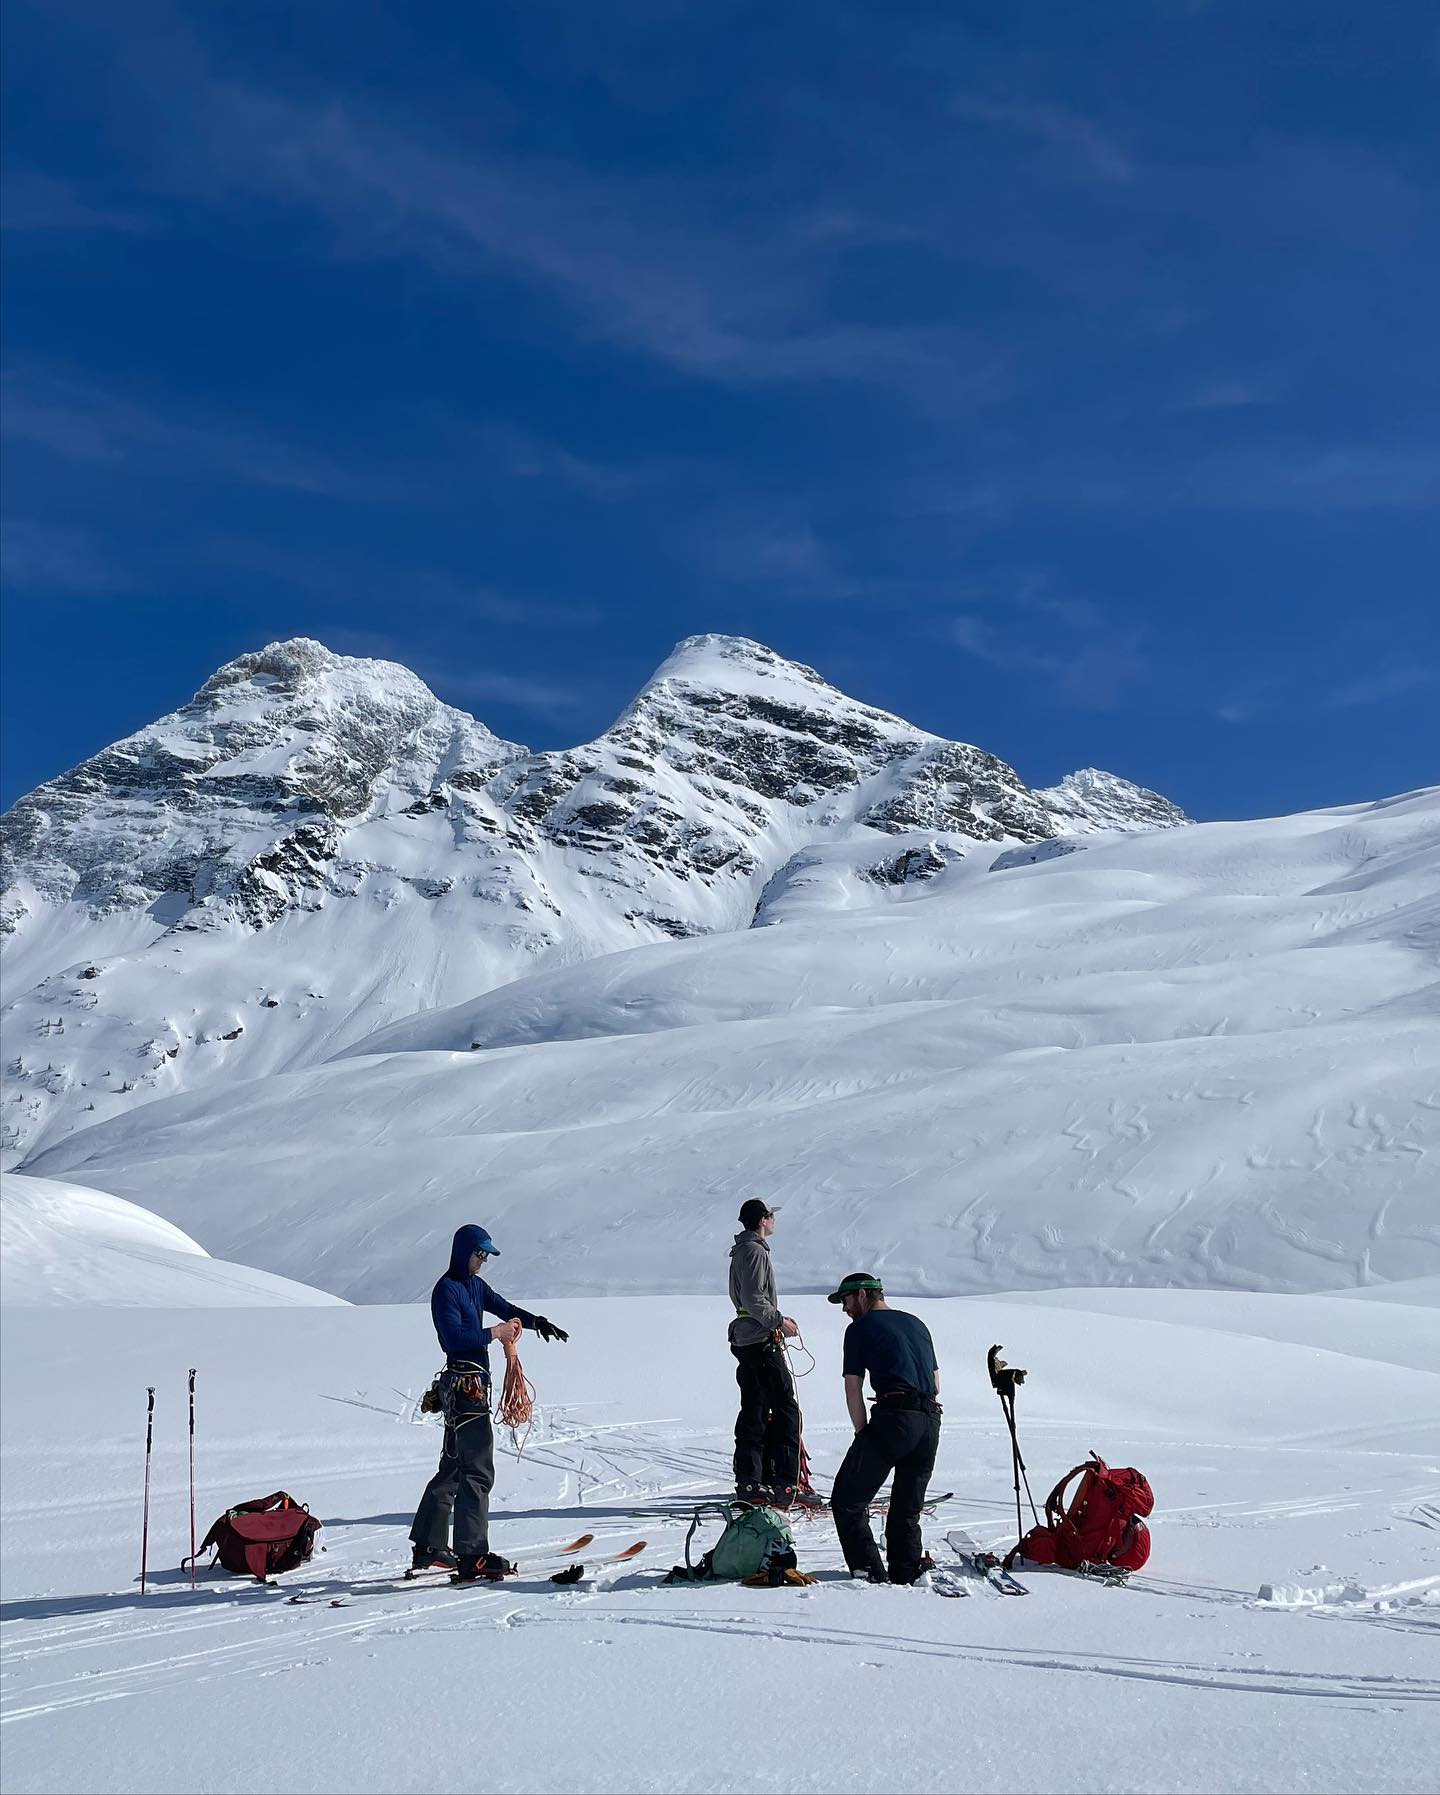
column 517, row 1399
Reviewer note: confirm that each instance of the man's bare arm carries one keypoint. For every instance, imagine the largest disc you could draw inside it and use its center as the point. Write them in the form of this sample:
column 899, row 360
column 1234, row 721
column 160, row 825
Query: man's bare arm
column 855, row 1401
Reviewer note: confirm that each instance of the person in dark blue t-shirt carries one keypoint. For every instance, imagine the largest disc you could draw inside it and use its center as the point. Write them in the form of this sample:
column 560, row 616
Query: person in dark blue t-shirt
column 902, row 1433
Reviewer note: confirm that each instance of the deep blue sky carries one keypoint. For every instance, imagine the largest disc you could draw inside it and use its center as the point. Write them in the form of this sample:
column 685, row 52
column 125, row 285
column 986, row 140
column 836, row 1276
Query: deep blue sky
column 1062, row 377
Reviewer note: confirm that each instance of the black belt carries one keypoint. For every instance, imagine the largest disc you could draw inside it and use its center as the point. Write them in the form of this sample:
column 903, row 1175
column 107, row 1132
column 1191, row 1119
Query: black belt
column 908, row 1399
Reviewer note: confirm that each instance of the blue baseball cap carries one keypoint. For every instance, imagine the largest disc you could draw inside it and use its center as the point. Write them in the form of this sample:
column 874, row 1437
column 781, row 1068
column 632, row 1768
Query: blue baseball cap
column 472, row 1238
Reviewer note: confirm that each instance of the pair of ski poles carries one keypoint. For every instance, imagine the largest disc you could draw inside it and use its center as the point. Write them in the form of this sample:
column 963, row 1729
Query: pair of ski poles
column 1005, row 1380
column 149, row 1443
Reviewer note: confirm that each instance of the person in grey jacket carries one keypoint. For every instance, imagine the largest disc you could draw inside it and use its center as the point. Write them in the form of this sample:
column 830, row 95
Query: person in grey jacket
column 767, row 1430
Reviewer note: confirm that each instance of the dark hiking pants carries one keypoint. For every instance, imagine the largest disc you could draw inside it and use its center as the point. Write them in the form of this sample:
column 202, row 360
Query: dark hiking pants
column 902, row 1440
column 767, row 1429
column 462, row 1483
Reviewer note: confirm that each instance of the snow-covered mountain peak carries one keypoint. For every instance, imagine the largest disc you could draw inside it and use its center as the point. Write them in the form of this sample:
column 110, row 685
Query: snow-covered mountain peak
column 736, row 669
column 338, row 724
column 216, row 802
column 342, row 849
column 1090, row 800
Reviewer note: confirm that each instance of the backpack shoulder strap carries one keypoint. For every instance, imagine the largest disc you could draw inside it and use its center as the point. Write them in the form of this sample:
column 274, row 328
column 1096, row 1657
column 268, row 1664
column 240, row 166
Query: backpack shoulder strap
column 212, row 1538
column 1055, row 1501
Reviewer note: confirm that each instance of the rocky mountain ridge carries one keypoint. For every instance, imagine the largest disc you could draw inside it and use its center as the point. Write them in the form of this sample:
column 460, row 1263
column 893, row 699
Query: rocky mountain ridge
column 320, row 836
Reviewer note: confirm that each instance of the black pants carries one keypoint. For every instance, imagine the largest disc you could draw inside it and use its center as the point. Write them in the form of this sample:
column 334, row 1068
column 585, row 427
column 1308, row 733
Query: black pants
column 462, row 1483
column 767, row 1429
column 904, row 1441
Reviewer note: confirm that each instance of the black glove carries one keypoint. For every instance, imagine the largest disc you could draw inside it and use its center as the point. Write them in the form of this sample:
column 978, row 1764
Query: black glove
column 547, row 1330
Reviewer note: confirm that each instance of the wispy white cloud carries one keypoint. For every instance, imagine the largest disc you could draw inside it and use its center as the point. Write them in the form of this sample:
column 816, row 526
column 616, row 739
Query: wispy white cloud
column 427, row 591
column 86, row 424
column 1317, row 682
column 41, row 557
column 997, row 647
column 1081, row 655
column 1232, row 392
column 769, row 550
column 698, row 278
column 1058, row 127
column 1375, row 688
column 526, row 457
column 542, row 698
column 1279, row 474
column 30, row 201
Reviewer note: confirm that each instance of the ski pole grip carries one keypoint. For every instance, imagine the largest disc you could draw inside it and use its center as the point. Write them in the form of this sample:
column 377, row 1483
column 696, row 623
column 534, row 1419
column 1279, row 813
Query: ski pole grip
column 1004, row 1379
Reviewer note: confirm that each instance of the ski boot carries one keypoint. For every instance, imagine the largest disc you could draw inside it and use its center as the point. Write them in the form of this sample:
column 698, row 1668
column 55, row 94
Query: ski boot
column 907, row 1575
column 443, row 1559
column 489, row 1569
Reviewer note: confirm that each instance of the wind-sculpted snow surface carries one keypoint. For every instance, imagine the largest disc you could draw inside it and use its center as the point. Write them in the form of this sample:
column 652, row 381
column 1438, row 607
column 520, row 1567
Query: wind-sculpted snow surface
column 64, row 1244
column 1205, row 1057
column 1277, row 1639
column 315, row 846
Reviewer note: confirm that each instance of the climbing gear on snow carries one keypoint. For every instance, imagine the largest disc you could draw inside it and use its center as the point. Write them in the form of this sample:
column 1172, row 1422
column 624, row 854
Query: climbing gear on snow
column 778, row 1577
column 753, row 1543
column 517, row 1399
column 803, row 1489
column 1102, row 1526
column 262, row 1538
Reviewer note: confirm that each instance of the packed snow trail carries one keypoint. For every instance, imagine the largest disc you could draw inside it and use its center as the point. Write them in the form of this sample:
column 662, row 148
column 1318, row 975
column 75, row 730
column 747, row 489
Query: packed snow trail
column 1277, row 1466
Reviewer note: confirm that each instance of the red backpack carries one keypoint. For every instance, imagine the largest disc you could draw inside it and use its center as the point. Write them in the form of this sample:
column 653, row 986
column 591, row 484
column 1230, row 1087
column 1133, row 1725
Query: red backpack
column 1102, row 1525
column 262, row 1538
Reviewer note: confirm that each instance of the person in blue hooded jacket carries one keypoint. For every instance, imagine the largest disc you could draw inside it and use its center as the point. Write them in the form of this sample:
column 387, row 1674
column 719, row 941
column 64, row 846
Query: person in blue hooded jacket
column 462, row 1484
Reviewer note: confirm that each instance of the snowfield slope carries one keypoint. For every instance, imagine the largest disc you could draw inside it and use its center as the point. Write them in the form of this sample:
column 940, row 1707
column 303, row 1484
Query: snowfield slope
column 1206, row 1056
column 315, row 846
column 1282, row 1636
column 62, row 1244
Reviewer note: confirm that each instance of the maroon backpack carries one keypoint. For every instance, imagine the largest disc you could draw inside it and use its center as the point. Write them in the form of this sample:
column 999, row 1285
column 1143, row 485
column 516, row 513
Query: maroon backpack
column 262, row 1538
column 1102, row 1524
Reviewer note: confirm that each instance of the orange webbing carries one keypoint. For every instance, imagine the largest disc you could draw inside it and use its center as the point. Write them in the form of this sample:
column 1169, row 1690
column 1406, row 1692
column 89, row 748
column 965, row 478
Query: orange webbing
column 517, row 1399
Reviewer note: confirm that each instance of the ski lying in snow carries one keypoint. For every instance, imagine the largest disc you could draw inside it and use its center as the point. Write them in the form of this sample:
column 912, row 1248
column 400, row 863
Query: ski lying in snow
column 566, row 1569
column 569, row 1569
column 982, row 1564
column 945, row 1582
column 440, row 1570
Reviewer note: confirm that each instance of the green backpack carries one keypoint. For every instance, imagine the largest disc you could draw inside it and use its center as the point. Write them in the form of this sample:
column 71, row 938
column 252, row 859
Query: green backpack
column 755, row 1540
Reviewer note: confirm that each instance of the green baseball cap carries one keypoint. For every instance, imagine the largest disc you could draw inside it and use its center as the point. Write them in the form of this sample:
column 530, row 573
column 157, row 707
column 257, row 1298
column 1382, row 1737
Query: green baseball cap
column 857, row 1280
